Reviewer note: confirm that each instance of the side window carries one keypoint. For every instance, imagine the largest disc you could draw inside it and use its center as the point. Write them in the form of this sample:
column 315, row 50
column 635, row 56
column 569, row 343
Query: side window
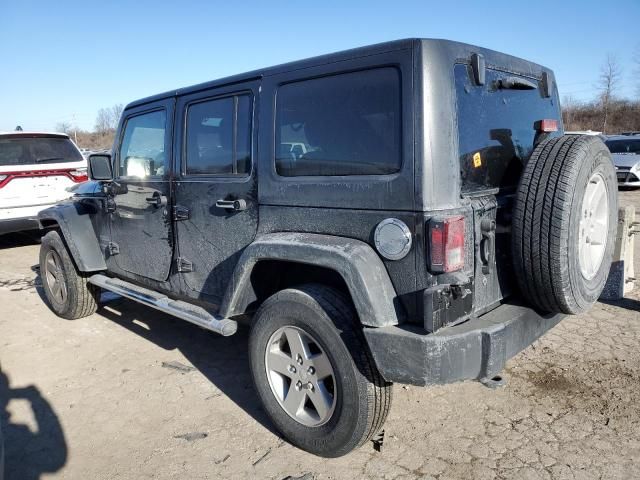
column 218, row 137
column 142, row 149
column 346, row 124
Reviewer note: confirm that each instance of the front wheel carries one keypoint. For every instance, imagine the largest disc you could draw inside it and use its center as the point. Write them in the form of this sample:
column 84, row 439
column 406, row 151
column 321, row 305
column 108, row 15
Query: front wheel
column 66, row 289
column 313, row 371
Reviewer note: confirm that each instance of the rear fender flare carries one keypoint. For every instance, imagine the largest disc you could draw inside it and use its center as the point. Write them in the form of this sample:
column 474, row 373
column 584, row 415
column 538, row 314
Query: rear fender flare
column 361, row 268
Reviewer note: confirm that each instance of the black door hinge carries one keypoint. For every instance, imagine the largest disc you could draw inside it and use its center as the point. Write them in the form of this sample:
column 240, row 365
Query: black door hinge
column 183, row 265
column 114, row 248
column 180, row 213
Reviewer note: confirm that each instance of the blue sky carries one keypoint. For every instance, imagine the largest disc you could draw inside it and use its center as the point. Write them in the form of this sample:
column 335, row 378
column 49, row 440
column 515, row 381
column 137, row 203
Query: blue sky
column 63, row 60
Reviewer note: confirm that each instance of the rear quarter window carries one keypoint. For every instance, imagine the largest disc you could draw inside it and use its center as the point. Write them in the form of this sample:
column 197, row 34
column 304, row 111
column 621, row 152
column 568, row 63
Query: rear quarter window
column 496, row 131
column 344, row 124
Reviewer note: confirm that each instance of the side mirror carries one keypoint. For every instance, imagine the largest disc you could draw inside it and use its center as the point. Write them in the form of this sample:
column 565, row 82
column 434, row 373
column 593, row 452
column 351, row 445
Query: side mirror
column 100, row 167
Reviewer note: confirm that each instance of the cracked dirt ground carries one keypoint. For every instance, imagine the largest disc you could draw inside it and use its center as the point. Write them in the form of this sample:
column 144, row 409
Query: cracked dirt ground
column 130, row 393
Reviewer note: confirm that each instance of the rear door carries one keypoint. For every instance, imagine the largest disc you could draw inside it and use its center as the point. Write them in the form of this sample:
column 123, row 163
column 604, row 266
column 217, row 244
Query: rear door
column 216, row 192
column 141, row 230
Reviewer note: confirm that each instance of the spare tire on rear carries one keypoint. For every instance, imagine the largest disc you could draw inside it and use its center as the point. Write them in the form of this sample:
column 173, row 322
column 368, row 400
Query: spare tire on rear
column 564, row 223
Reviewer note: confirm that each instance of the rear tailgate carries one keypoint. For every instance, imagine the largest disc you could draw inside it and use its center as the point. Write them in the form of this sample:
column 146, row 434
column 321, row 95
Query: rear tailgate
column 497, row 129
column 33, row 185
column 36, row 169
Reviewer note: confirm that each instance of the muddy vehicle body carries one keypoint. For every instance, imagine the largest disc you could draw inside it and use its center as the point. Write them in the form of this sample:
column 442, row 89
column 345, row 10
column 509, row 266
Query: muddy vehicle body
column 405, row 212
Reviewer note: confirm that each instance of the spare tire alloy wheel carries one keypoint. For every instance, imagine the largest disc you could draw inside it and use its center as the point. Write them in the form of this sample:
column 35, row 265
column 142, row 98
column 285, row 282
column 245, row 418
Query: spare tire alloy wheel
column 300, row 376
column 564, row 223
column 594, row 226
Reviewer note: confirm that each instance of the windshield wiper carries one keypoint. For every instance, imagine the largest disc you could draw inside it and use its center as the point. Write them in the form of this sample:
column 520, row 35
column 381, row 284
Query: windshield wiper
column 48, row 159
column 516, row 83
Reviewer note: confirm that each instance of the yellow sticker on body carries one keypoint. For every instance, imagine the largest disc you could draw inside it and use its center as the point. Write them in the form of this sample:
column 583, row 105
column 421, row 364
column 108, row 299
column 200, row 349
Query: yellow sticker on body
column 477, row 160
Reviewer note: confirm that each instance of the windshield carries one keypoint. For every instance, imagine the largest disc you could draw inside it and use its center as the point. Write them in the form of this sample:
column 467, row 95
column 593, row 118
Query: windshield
column 624, row 146
column 37, row 150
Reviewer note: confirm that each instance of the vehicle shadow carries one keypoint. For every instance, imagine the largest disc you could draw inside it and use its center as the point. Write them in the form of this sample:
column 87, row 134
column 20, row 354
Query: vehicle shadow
column 222, row 360
column 628, row 303
column 20, row 239
column 30, row 453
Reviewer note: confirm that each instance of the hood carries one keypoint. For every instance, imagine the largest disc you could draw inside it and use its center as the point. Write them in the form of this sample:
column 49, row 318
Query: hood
column 625, row 159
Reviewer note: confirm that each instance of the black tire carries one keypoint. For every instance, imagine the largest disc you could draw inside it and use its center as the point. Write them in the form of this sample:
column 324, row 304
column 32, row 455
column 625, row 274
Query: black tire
column 546, row 223
column 81, row 299
column 363, row 397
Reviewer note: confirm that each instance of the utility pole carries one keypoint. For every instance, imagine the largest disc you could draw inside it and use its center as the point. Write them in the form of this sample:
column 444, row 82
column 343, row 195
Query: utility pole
column 75, row 129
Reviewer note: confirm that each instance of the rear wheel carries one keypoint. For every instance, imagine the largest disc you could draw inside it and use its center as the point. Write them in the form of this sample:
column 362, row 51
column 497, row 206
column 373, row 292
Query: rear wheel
column 564, row 223
column 67, row 291
column 313, row 371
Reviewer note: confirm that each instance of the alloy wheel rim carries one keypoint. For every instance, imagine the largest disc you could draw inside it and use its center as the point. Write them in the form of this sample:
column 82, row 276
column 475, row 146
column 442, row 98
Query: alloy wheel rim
column 301, row 376
column 54, row 278
column 594, row 226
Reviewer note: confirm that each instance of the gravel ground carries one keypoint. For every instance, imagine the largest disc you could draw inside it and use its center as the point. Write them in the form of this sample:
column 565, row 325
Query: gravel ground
column 130, row 393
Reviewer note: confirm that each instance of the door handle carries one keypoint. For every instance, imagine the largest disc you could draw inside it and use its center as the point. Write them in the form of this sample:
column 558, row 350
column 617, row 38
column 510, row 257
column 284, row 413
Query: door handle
column 235, row 205
column 156, row 199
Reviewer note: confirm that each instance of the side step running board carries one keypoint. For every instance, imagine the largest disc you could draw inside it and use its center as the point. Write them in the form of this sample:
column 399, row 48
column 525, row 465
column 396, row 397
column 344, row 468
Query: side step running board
column 185, row 311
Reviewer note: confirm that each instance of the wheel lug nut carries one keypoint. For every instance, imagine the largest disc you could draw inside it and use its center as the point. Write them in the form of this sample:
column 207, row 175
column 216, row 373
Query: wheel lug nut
column 310, row 386
column 298, row 385
column 311, row 370
column 292, row 369
column 299, row 359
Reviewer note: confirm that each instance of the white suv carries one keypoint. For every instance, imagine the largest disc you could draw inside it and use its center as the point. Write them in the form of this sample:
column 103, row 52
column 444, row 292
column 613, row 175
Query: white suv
column 35, row 171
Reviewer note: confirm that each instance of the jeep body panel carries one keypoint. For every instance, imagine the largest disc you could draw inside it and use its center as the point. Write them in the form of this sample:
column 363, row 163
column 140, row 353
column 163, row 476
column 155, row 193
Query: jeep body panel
column 355, row 261
column 192, row 247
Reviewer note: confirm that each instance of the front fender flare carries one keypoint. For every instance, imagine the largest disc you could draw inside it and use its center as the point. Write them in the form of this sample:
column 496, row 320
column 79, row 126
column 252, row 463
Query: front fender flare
column 364, row 273
column 74, row 221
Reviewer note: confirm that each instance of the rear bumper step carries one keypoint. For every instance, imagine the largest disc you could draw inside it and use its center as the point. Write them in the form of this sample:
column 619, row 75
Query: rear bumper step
column 186, row 311
column 476, row 349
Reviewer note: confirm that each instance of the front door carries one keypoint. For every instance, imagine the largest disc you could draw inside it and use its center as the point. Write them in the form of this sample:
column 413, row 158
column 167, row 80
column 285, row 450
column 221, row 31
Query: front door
column 141, row 231
column 216, row 193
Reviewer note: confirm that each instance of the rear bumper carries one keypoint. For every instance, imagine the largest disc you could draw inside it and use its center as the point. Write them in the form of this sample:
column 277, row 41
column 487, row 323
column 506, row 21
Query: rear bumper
column 18, row 225
column 476, row 349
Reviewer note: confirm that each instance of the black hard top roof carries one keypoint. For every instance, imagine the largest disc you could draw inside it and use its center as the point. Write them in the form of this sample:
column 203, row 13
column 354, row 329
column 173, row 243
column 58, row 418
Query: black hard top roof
column 453, row 51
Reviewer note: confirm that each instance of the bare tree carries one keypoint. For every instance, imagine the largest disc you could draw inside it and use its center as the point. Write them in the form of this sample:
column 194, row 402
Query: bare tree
column 108, row 118
column 64, row 127
column 103, row 121
column 609, row 80
column 116, row 113
column 569, row 105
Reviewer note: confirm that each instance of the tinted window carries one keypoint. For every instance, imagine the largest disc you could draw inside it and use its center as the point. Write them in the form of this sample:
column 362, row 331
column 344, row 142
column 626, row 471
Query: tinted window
column 347, row 124
column 142, row 150
column 218, row 137
column 24, row 150
column 496, row 129
column 624, row 146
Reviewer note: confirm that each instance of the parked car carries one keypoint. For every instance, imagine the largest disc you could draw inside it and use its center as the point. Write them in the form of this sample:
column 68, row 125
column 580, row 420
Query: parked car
column 406, row 212
column 625, row 150
column 35, row 171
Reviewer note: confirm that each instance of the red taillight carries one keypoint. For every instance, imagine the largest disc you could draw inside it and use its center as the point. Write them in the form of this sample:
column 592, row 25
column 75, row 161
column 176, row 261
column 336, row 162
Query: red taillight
column 547, row 125
column 446, row 249
column 79, row 175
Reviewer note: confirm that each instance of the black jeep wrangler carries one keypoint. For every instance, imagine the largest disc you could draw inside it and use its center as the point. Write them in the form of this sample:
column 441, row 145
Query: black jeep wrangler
column 405, row 212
